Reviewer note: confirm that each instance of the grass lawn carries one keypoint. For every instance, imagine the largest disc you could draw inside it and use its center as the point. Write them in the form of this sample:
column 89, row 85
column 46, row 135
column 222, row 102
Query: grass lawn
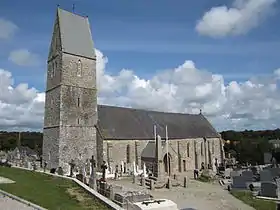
column 258, row 204
column 48, row 191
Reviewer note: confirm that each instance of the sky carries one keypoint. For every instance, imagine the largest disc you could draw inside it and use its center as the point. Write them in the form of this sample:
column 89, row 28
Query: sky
column 220, row 56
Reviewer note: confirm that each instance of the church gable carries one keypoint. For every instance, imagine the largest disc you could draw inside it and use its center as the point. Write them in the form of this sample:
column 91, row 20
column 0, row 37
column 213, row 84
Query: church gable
column 125, row 123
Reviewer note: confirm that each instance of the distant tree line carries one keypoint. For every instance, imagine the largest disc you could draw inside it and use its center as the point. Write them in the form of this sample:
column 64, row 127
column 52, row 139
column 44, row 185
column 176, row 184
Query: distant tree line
column 10, row 140
column 245, row 146
column 249, row 146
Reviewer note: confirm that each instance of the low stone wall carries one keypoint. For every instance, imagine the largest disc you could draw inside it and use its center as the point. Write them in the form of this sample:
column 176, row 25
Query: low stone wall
column 110, row 204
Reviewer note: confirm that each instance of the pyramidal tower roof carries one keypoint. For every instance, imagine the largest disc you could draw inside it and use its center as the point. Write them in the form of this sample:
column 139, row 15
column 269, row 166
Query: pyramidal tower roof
column 75, row 34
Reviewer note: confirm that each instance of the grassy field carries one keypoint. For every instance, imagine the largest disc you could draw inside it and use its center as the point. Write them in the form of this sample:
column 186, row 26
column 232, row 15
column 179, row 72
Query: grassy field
column 258, row 204
column 48, row 191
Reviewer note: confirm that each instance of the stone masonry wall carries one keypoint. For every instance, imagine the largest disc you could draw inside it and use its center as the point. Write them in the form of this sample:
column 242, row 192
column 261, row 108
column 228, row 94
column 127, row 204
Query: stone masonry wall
column 181, row 151
column 51, row 147
column 77, row 143
column 78, row 111
column 119, row 150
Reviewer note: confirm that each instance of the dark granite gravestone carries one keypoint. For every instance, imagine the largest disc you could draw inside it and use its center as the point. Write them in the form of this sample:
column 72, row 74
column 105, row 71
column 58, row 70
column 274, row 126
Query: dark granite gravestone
column 80, row 177
column 60, row 171
column 269, row 189
column 52, row 171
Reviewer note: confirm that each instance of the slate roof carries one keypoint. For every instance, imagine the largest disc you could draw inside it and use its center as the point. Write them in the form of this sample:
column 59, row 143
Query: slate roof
column 150, row 150
column 75, row 34
column 126, row 123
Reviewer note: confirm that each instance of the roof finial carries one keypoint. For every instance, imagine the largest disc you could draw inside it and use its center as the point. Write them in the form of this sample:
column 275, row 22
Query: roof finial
column 58, row 5
column 73, row 8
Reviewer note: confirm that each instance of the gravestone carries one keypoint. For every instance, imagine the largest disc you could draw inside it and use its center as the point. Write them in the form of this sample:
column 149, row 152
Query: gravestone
column 41, row 162
column 266, row 175
column 269, row 189
column 240, row 182
column 52, row 171
column 34, row 166
column 45, row 165
column 60, row 171
column 278, row 186
column 123, row 197
column 88, row 167
column 29, row 165
column 80, row 177
column 248, row 174
column 26, row 165
column 235, row 173
column 274, row 171
column 227, row 172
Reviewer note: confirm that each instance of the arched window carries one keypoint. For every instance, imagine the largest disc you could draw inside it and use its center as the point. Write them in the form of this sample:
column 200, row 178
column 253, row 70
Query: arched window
column 79, row 68
column 188, row 149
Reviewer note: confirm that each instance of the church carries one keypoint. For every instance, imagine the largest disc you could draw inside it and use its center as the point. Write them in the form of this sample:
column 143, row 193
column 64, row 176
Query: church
column 77, row 128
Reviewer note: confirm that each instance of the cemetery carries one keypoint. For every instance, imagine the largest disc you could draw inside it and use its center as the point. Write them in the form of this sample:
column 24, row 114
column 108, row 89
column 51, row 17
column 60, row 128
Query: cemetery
column 255, row 185
column 90, row 161
column 128, row 187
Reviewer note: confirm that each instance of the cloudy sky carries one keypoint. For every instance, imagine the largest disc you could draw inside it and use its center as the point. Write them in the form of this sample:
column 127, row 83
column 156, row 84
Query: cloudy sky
column 221, row 56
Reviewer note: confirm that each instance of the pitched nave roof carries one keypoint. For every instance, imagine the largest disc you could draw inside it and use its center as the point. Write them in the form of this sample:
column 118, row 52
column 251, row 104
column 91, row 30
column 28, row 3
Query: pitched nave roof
column 126, row 123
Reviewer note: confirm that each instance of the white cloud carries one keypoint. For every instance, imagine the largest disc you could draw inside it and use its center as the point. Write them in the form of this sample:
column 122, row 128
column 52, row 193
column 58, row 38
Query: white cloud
column 243, row 16
column 7, row 29
column 20, row 106
column 24, row 57
column 254, row 104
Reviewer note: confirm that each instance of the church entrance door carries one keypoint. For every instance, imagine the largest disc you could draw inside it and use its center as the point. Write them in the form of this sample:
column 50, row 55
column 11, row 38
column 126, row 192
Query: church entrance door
column 167, row 163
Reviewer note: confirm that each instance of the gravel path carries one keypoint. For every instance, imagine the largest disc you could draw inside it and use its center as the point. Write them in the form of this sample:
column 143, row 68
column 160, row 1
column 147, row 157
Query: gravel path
column 7, row 203
column 5, row 180
column 198, row 196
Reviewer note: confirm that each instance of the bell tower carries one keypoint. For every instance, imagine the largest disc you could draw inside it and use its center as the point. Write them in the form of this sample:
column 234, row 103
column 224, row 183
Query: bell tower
column 71, row 95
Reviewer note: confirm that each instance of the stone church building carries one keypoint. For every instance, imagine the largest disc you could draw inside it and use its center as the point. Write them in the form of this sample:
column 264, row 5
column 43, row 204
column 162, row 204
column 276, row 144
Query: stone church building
column 76, row 127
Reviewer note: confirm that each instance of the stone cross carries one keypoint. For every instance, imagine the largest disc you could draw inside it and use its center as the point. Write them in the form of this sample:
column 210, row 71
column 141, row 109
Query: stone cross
column 104, row 168
column 92, row 161
column 45, row 165
column 134, row 168
column 92, row 179
column 144, row 170
column 122, row 168
column 72, row 165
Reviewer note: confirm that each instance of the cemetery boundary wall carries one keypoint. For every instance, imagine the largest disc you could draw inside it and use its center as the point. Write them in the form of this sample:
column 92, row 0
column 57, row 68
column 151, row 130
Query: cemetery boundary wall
column 28, row 203
column 110, row 204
